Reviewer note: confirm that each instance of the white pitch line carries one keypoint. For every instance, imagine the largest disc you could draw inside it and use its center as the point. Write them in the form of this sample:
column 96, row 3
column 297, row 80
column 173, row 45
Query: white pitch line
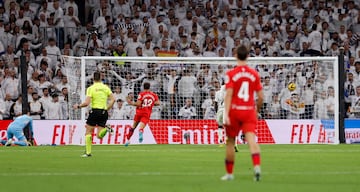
column 175, row 150
column 39, row 174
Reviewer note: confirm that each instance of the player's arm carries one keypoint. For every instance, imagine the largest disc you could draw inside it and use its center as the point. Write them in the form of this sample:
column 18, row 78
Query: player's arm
column 85, row 103
column 136, row 104
column 216, row 105
column 227, row 101
column 111, row 102
column 157, row 101
column 31, row 127
column 260, row 99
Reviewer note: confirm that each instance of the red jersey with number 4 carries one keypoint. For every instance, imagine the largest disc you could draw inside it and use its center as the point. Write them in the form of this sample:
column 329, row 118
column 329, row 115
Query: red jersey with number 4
column 244, row 81
column 148, row 100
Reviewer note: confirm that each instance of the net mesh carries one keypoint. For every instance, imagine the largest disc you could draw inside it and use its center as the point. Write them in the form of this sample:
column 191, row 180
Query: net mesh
column 293, row 89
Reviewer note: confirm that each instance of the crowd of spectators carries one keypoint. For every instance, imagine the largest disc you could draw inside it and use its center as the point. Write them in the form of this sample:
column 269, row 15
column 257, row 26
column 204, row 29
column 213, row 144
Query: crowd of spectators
column 43, row 31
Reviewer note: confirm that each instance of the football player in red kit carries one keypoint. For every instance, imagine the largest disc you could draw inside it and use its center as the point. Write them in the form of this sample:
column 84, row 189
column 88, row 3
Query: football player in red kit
column 144, row 104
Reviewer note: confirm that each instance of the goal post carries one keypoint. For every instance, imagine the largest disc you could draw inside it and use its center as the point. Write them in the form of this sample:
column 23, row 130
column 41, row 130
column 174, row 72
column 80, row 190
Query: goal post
column 309, row 114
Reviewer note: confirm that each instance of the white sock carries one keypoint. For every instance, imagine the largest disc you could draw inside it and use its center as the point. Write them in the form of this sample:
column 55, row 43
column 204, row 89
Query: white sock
column 220, row 134
column 257, row 169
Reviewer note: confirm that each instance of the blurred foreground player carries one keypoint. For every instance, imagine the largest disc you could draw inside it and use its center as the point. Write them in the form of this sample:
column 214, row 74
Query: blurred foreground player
column 240, row 111
column 21, row 129
column 144, row 104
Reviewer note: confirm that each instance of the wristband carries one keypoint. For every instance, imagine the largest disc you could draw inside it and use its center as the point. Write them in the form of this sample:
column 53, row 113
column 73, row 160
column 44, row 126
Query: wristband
column 79, row 106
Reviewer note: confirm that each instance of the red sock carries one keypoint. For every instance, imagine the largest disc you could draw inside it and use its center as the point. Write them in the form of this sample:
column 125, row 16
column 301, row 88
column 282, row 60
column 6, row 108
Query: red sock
column 256, row 159
column 229, row 166
column 131, row 132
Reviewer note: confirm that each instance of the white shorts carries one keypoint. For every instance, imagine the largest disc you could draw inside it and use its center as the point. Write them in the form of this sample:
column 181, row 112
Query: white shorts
column 220, row 116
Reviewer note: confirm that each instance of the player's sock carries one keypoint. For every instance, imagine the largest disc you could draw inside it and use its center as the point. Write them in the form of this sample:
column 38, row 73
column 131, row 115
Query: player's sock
column 220, row 134
column 20, row 143
column 131, row 132
column 141, row 133
column 256, row 159
column 102, row 133
column 88, row 143
column 229, row 166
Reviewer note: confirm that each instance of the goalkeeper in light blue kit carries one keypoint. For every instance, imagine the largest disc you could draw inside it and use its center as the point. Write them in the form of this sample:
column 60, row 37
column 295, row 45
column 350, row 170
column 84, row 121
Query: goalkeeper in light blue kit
column 22, row 129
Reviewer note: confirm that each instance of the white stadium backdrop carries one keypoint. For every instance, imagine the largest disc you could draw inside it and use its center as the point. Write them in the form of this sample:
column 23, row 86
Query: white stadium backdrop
column 187, row 85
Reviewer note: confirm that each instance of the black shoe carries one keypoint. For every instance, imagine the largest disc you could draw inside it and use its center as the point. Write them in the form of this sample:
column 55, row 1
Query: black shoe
column 257, row 177
column 109, row 129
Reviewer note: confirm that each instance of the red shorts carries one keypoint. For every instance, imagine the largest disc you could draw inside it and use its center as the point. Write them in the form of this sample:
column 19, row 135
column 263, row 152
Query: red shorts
column 142, row 117
column 244, row 120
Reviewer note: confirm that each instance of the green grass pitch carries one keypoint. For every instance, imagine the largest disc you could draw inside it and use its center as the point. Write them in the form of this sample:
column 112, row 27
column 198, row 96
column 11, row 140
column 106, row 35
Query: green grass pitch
column 179, row 168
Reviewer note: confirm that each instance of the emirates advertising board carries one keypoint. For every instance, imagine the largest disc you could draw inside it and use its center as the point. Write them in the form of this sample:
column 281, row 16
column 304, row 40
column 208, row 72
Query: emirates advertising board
column 64, row 132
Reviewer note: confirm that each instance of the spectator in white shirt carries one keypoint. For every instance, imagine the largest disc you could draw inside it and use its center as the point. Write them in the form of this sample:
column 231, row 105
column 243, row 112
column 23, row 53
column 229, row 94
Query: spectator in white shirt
column 71, row 3
column 43, row 83
column 188, row 111
column 118, row 94
column 320, row 107
column 53, row 52
column 10, row 85
column 2, row 108
column 71, row 22
column 16, row 108
column 7, row 104
column 315, row 41
column 54, row 110
column 36, row 107
column 186, row 86
column 208, row 110
column 45, row 100
column 80, row 46
column 128, row 83
column 63, row 84
column 95, row 44
column 119, row 112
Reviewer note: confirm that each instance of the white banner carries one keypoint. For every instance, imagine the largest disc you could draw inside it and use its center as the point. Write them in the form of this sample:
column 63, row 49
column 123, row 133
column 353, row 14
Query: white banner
column 63, row 132
column 50, row 132
column 300, row 132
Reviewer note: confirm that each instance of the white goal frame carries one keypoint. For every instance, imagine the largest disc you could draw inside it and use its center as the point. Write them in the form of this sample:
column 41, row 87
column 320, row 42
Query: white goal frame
column 222, row 60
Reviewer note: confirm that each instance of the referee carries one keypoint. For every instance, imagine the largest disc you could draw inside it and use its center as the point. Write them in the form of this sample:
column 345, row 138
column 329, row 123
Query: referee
column 97, row 94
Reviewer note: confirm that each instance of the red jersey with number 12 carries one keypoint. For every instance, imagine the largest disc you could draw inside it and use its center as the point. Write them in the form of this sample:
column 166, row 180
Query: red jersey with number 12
column 244, row 81
column 148, row 100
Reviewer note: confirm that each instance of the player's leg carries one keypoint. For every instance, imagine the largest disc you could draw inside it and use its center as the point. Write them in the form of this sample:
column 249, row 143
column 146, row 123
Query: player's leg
column 102, row 127
column 219, row 120
column 254, row 148
column 88, row 140
column 231, row 133
column 142, row 125
column 131, row 130
column 21, row 139
column 10, row 134
column 236, row 145
column 91, row 122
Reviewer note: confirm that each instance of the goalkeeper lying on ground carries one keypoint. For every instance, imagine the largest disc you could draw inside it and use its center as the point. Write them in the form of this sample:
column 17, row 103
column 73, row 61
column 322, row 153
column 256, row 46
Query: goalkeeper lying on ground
column 22, row 129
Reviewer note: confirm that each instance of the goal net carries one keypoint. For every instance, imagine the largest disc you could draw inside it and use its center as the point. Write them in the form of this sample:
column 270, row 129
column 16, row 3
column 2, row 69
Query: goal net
column 300, row 106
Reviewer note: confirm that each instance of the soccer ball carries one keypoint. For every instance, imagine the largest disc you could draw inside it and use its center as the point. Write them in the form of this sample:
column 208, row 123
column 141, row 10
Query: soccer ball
column 292, row 86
